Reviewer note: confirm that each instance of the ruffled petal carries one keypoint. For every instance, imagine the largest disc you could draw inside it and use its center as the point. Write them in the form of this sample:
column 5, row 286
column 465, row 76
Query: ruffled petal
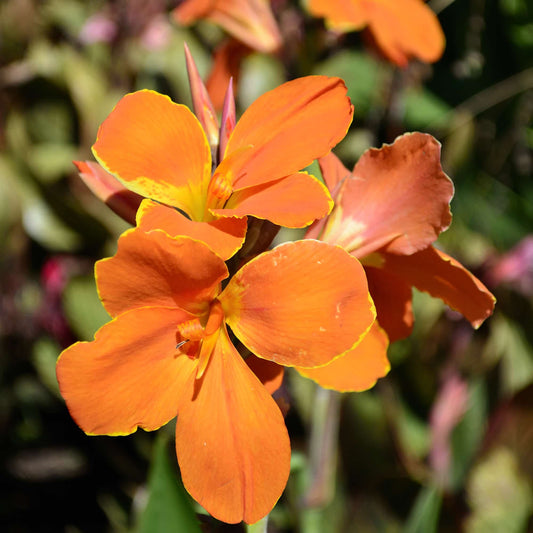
column 108, row 189
column 359, row 368
column 302, row 304
column 269, row 374
column 405, row 29
column 294, row 202
column 130, row 376
column 393, row 300
column 157, row 149
column 443, row 277
column 224, row 236
column 398, row 199
column 231, row 441
column 288, row 128
column 153, row 269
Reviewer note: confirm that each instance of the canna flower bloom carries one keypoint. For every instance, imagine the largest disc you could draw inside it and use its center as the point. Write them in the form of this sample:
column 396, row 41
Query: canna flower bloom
column 402, row 29
column 249, row 21
column 162, row 152
column 167, row 352
column 388, row 212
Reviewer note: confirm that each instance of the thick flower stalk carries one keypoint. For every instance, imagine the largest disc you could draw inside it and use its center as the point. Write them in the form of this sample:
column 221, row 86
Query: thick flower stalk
column 167, row 351
column 388, row 212
column 402, row 29
column 217, row 176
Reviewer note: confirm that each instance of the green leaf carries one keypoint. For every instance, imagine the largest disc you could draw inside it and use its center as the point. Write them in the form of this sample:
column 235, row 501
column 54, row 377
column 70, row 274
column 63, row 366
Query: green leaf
column 499, row 494
column 424, row 515
column 169, row 509
column 44, row 357
column 83, row 309
column 424, row 110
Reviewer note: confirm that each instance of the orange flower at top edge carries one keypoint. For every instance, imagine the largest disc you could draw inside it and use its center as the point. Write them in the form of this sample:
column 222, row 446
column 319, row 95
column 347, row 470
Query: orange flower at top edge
column 167, row 352
column 401, row 28
column 159, row 150
column 388, row 212
column 249, row 21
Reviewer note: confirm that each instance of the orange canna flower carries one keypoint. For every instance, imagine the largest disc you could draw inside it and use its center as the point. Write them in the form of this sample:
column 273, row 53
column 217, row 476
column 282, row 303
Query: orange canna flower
column 388, row 212
column 160, row 151
column 401, row 28
column 167, row 352
column 249, row 21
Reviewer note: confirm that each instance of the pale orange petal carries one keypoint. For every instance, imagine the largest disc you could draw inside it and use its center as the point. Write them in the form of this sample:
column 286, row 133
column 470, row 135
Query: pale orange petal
column 288, row 128
column 301, row 304
column 443, row 277
column 153, row 269
column 293, row 202
column 108, row 189
column 130, row 376
column 333, row 171
column 232, row 445
column 359, row 368
column 398, row 199
column 405, row 29
column 224, row 236
column 269, row 374
column 157, row 149
column 393, row 300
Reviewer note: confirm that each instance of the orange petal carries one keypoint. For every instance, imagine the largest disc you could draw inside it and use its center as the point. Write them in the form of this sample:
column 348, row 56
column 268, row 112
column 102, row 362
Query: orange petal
column 343, row 15
column 443, row 277
column 359, row 368
column 232, row 445
column 224, row 236
column 269, row 374
column 157, row 149
column 393, row 300
column 108, row 189
column 398, row 199
column 250, row 21
column 302, row 304
column 333, row 170
column 153, row 269
column 405, row 29
column 293, row 202
column 130, row 376
column 289, row 127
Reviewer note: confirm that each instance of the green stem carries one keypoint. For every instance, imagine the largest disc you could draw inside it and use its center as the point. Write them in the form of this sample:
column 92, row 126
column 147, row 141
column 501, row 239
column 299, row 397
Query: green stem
column 258, row 527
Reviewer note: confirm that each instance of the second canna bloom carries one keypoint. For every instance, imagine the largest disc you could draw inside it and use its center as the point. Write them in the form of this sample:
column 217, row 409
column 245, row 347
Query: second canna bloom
column 168, row 352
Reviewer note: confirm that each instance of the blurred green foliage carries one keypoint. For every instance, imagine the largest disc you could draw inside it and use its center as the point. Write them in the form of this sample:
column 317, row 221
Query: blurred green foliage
column 63, row 65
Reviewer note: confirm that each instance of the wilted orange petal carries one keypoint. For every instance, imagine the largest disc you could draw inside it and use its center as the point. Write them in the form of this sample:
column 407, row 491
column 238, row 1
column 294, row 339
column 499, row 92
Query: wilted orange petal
column 131, row 375
column 293, row 202
column 393, row 300
column 157, row 149
column 232, row 445
column 301, row 304
column 443, row 277
column 398, row 199
column 108, row 189
column 359, row 368
column 224, row 236
column 270, row 374
column 405, row 29
column 153, row 269
column 289, row 127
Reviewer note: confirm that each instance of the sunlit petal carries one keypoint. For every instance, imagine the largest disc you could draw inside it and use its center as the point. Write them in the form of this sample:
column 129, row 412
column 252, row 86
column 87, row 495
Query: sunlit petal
column 153, row 269
column 231, row 441
column 301, row 304
column 443, row 277
column 359, row 368
column 157, row 149
column 224, row 236
column 289, row 127
column 130, row 376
